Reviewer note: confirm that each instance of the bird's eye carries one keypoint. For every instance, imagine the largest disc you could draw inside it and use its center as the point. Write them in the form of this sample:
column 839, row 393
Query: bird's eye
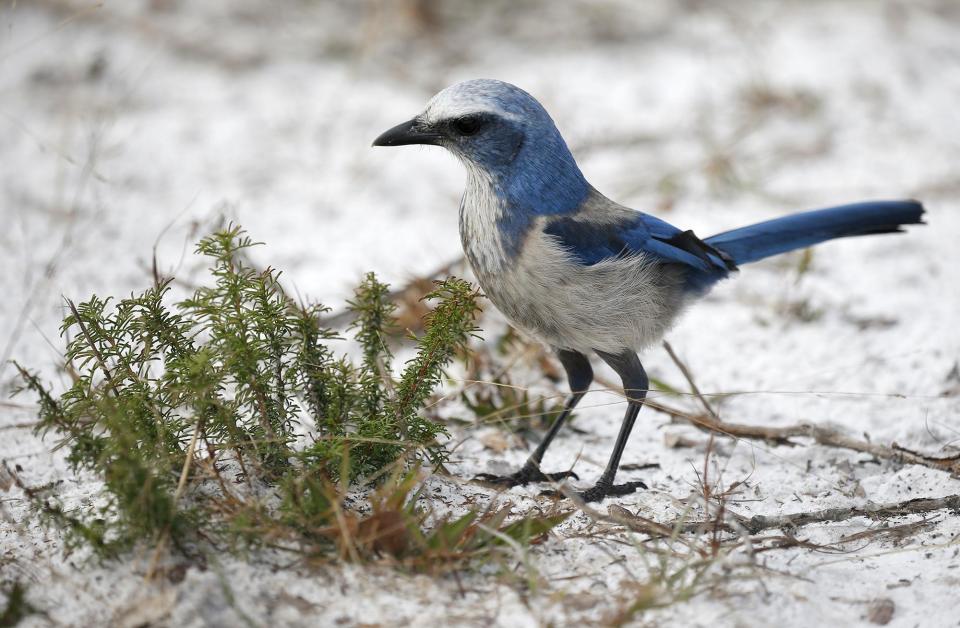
column 468, row 125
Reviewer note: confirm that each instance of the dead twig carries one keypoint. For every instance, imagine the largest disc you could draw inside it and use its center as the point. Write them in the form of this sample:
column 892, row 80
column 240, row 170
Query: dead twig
column 757, row 523
column 20, row 426
column 872, row 511
column 181, row 485
column 689, row 377
column 819, row 434
column 637, row 523
column 782, row 435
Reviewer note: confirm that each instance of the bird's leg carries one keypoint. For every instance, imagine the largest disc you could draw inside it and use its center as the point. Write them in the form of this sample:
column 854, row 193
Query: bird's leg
column 635, row 385
column 580, row 375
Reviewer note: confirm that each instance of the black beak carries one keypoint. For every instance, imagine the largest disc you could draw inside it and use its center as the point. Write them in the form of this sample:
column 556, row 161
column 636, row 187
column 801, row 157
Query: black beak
column 407, row 133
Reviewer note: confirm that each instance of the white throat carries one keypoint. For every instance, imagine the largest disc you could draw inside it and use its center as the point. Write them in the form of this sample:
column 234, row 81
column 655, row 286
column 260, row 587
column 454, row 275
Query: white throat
column 479, row 211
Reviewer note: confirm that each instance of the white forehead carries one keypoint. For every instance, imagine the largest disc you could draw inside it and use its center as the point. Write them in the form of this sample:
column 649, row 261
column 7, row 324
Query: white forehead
column 478, row 96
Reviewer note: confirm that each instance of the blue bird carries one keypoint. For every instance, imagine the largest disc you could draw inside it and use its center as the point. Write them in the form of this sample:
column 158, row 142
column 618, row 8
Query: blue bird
column 578, row 271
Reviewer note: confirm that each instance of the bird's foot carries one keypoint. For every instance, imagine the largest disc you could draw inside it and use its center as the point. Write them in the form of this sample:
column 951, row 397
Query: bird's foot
column 601, row 490
column 526, row 475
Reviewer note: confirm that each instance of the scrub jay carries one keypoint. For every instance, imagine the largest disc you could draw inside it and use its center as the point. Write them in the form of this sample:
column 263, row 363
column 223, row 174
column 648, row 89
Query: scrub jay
column 569, row 266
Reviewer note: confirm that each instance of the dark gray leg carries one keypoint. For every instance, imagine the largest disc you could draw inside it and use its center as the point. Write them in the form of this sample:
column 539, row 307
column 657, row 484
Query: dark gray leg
column 635, row 385
column 580, row 376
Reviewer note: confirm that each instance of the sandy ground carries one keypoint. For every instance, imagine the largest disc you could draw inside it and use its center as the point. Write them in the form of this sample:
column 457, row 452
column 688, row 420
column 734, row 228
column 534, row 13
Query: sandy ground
column 129, row 125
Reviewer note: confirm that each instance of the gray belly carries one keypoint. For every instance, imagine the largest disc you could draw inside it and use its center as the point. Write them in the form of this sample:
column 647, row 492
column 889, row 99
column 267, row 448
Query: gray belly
column 617, row 304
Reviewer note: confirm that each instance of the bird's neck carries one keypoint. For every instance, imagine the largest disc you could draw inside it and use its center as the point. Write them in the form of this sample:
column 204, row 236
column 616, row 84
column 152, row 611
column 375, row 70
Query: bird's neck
column 543, row 179
column 500, row 205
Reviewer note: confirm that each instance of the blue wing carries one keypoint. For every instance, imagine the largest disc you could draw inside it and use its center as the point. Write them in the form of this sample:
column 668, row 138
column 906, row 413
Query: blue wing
column 592, row 237
column 602, row 230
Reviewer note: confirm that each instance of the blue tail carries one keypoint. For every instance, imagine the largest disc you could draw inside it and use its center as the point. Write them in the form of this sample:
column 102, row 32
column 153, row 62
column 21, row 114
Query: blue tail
column 755, row 242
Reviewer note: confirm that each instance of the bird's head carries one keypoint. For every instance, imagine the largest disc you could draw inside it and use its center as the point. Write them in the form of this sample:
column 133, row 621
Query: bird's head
column 504, row 132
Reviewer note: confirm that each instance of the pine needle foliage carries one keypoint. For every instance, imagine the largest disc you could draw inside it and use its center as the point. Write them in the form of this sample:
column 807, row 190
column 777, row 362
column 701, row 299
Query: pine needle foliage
column 226, row 415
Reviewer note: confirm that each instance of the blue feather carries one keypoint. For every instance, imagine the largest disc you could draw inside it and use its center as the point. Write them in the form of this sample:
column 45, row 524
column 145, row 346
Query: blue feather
column 593, row 242
column 755, row 242
column 708, row 261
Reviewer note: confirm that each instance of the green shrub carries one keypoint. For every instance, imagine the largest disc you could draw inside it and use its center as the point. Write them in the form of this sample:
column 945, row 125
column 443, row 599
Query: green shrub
column 228, row 413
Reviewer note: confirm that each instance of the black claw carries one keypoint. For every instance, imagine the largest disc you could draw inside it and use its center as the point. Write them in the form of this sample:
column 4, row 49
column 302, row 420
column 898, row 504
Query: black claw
column 526, row 475
column 600, row 491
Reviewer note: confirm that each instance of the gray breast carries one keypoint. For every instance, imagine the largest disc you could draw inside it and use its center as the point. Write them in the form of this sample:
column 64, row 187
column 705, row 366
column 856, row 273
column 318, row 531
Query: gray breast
column 624, row 303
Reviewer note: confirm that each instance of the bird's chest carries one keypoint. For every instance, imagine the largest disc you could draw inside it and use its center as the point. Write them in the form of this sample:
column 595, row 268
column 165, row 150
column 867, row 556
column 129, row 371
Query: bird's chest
column 522, row 271
column 481, row 240
column 483, row 245
column 486, row 244
column 520, row 285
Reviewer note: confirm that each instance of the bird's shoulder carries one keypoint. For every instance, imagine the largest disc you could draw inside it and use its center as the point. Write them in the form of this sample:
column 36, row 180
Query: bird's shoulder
column 601, row 229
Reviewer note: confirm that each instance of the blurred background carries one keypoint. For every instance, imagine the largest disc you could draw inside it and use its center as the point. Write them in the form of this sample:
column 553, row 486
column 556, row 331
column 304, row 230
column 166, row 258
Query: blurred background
column 129, row 127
